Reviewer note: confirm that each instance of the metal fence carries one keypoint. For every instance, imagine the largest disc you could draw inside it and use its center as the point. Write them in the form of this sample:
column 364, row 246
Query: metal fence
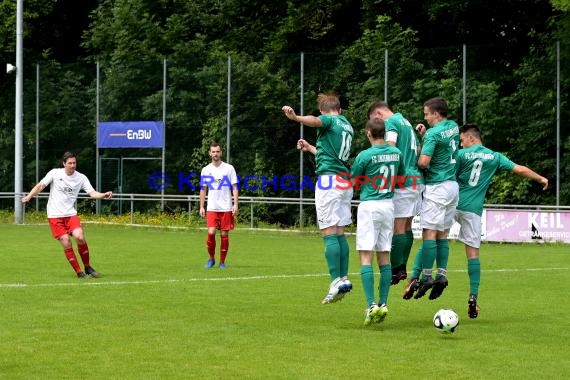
column 190, row 203
column 312, row 71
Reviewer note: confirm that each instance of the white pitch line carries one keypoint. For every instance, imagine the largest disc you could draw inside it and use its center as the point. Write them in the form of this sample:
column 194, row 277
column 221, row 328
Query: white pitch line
column 102, row 282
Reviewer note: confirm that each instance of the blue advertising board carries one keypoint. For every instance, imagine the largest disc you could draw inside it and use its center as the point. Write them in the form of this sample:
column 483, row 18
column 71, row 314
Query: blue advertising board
column 131, row 134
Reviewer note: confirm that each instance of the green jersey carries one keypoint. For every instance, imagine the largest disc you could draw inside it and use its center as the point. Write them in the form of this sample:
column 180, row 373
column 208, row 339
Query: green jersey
column 476, row 167
column 399, row 129
column 334, row 140
column 376, row 169
column 440, row 143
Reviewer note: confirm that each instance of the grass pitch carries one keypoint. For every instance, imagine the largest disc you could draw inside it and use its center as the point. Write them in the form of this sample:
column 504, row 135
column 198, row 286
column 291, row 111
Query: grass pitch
column 158, row 314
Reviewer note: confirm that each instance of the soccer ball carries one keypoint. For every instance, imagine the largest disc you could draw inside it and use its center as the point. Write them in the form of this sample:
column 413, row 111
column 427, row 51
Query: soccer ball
column 445, row 320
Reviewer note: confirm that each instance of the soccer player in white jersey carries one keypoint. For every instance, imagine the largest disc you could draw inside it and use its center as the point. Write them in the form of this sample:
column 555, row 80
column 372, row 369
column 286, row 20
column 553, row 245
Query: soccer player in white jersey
column 476, row 167
column 218, row 181
column 333, row 203
column 65, row 184
column 377, row 171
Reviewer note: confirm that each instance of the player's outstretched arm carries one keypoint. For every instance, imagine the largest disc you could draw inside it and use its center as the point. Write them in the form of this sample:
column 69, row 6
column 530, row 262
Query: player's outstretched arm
column 530, row 174
column 308, row 120
column 98, row 195
column 35, row 191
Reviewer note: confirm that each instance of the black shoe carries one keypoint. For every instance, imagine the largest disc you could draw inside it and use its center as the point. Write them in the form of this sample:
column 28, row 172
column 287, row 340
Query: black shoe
column 92, row 272
column 425, row 285
column 399, row 274
column 82, row 275
column 438, row 286
column 411, row 288
column 473, row 308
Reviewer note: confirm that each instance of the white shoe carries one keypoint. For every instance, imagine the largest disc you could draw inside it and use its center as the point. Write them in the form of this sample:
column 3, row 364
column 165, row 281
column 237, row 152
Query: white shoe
column 371, row 314
column 335, row 294
column 345, row 285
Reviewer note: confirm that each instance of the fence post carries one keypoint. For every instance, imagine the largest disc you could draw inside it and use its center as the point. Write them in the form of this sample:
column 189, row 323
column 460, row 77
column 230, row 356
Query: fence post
column 132, row 209
column 251, row 213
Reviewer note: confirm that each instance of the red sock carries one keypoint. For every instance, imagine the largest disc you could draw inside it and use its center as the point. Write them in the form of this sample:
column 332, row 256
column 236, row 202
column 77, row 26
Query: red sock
column 70, row 255
column 224, row 245
column 84, row 253
column 211, row 245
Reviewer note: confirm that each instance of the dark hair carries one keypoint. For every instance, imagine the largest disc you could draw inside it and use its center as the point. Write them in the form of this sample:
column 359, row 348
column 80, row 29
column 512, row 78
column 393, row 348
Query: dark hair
column 471, row 128
column 375, row 105
column 376, row 127
column 215, row 144
column 437, row 104
column 67, row 156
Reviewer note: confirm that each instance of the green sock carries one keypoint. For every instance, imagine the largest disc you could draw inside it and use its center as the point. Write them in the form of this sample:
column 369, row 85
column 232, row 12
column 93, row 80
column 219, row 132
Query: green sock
column 398, row 246
column 474, row 271
column 442, row 255
column 384, row 286
column 408, row 247
column 429, row 250
column 332, row 254
column 417, row 264
column 367, row 278
column 344, row 254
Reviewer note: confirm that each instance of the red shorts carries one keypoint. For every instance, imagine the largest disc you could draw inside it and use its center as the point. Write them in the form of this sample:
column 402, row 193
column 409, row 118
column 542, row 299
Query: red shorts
column 222, row 220
column 63, row 226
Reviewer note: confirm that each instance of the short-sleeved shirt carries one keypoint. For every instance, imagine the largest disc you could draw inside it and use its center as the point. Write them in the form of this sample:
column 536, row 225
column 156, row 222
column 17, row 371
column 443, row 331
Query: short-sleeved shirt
column 441, row 143
column 64, row 190
column 400, row 131
column 476, row 167
column 380, row 165
column 334, row 141
column 219, row 181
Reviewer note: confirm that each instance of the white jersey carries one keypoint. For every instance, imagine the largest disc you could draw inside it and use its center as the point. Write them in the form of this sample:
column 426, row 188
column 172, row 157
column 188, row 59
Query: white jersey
column 64, row 191
column 219, row 181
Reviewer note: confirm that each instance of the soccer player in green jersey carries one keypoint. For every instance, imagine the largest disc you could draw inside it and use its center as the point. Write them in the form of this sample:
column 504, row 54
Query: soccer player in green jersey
column 407, row 199
column 332, row 196
column 376, row 172
column 439, row 150
column 476, row 166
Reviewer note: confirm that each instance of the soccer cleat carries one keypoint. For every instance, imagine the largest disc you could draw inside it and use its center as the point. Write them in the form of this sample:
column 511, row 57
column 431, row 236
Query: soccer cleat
column 381, row 316
column 222, row 266
column 82, row 276
column 371, row 314
column 90, row 271
column 331, row 296
column 438, row 286
column 210, row 263
column 398, row 275
column 473, row 308
column 424, row 285
column 411, row 288
column 345, row 285
column 337, row 290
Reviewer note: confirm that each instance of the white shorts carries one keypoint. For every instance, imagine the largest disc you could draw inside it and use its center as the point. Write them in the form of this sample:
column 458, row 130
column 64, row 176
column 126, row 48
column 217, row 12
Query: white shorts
column 470, row 231
column 375, row 226
column 333, row 205
column 408, row 202
column 438, row 206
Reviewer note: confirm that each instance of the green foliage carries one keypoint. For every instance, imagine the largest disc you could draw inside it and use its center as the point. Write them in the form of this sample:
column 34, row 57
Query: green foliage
column 563, row 5
column 510, row 80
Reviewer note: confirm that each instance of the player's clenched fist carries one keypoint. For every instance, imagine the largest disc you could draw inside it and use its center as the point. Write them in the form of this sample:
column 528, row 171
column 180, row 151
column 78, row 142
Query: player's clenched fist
column 289, row 112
